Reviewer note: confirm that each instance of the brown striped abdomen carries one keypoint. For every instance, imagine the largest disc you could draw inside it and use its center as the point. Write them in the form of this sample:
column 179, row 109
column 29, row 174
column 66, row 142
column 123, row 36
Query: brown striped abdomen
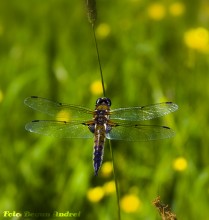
column 99, row 140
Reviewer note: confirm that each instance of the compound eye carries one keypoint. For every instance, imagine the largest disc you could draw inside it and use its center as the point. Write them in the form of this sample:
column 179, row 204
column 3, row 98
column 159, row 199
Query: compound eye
column 98, row 101
column 105, row 101
column 108, row 101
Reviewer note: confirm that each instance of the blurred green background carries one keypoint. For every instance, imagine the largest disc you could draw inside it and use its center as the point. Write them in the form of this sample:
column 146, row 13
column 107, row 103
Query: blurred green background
column 151, row 51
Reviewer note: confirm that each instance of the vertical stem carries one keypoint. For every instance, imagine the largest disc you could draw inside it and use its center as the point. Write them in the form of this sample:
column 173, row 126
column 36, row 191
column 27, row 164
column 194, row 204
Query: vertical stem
column 111, row 151
column 92, row 14
column 98, row 58
column 115, row 179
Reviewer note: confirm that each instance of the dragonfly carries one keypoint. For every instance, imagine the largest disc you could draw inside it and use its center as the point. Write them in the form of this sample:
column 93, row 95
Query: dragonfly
column 75, row 121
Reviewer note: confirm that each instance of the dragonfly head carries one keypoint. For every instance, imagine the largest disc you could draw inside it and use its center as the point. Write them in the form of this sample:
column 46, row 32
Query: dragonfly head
column 103, row 101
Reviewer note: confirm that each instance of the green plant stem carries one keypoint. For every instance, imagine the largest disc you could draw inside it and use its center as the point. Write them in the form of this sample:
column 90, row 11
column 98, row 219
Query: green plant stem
column 115, row 179
column 111, row 151
column 98, row 58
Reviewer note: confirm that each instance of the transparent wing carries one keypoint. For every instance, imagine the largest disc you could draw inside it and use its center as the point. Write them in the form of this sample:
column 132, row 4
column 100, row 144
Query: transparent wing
column 61, row 111
column 143, row 113
column 140, row 132
column 60, row 129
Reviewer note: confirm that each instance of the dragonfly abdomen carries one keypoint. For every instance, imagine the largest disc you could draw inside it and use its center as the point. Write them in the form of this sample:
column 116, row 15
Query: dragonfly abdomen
column 99, row 141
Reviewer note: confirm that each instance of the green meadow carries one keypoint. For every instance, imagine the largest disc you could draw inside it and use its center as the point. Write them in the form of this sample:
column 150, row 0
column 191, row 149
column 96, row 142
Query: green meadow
column 151, row 52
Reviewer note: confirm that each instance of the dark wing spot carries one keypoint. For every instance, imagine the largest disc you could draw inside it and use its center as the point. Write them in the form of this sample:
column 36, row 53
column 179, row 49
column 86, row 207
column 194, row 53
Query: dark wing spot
column 35, row 120
column 34, row 97
column 166, row 127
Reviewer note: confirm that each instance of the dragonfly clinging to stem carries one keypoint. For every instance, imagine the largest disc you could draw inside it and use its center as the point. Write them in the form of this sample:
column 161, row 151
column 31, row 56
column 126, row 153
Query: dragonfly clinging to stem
column 74, row 121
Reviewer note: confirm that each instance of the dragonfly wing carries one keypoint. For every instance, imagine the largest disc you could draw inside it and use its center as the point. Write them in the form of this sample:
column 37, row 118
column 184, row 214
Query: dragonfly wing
column 144, row 112
column 61, row 111
column 60, row 129
column 139, row 132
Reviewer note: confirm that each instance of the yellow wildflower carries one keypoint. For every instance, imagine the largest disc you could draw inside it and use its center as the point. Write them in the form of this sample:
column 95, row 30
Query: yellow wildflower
column 103, row 30
column 96, row 87
column 106, row 169
column 109, row 187
column 95, row 194
column 63, row 115
column 180, row 164
column 156, row 11
column 177, row 9
column 197, row 39
column 130, row 203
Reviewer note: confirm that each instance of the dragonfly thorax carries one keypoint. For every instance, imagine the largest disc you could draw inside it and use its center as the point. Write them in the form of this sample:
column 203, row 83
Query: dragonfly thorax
column 101, row 112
